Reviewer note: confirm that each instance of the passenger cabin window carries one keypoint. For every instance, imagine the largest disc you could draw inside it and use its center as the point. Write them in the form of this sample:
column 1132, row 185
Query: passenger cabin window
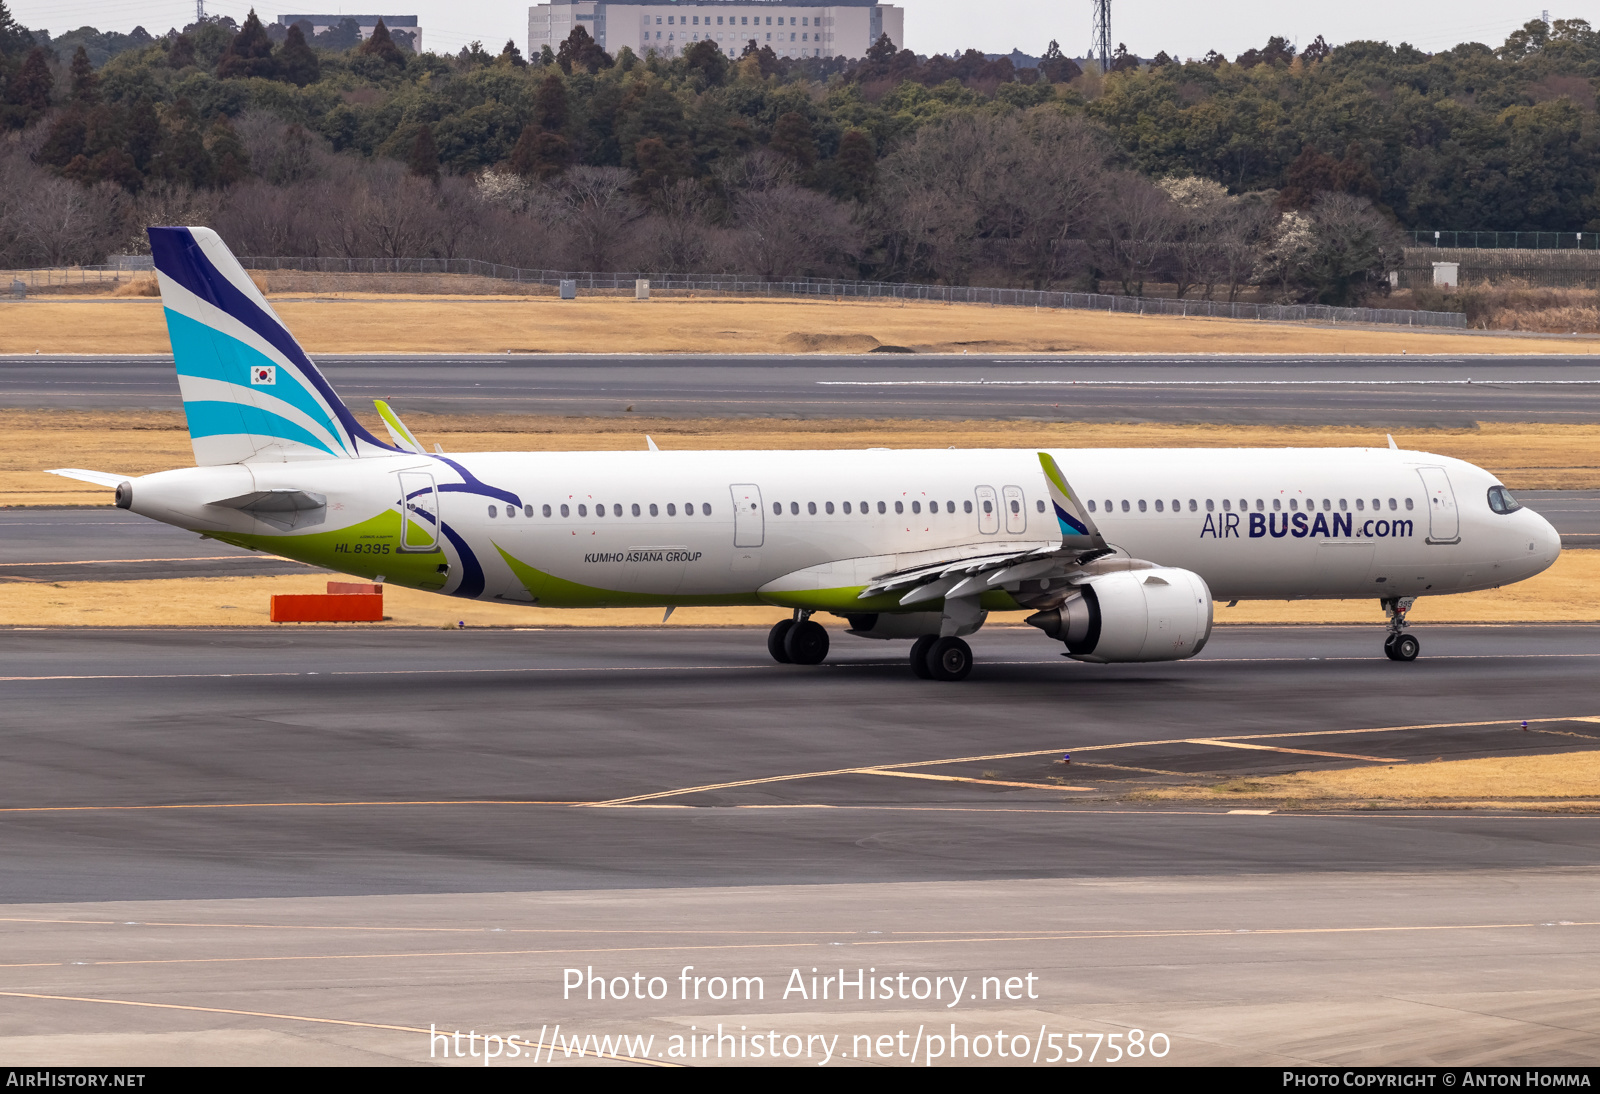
column 1361, row 504
column 494, row 510
column 565, row 511
column 846, row 507
column 547, row 511
column 1160, row 508
column 1501, row 501
column 1293, row 505
column 672, row 510
column 794, row 509
column 811, row 507
column 1408, row 504
column 1277, row 505
column 635, row 508
column 1227, row 506
column 1392, row 505
column 1142, row 507
column 527, row 510
column 988, row 506
column 654, row 512
column 828, row 507
column 1342, row 506
column 966, row 507
column 583, row 510
column 1175, row 506
column 916, row 507
column 777, row 508
column 1091, row 505
column 900, row 507
column 1016, row 506
column 1194, row 506
column 882, row 508
column 1210, row 506
column 1125, row 505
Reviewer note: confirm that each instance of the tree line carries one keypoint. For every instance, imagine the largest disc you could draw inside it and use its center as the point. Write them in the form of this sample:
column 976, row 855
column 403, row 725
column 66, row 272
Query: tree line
column 1284, row 173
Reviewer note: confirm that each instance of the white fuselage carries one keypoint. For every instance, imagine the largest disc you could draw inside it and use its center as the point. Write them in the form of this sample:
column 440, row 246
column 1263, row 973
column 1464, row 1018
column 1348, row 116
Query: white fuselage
column 1253, row 523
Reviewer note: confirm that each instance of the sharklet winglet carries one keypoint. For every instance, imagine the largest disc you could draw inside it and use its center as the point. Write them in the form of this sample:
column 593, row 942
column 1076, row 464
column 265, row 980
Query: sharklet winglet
column 1078, row 529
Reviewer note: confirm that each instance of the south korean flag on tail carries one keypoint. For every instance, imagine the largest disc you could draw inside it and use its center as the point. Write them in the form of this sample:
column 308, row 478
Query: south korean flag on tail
column 263, row 375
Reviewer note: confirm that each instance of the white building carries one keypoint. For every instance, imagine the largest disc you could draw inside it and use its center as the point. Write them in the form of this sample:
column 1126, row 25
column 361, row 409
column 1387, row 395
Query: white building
column 793, row 28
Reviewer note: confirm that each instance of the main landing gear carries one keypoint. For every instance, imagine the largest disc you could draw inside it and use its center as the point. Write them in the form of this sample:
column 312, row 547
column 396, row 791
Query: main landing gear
column 1399, row 646
column 798, row 641
column 935, row 658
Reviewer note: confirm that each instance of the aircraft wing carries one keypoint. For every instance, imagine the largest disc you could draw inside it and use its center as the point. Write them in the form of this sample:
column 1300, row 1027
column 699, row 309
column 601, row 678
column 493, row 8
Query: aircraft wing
column 958, row 577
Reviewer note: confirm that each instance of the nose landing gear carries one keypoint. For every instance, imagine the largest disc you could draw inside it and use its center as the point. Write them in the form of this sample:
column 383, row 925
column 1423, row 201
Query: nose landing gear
column 1399, row 646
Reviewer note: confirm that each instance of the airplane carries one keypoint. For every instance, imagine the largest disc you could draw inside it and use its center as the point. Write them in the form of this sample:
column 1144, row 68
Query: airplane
column 1122, row 564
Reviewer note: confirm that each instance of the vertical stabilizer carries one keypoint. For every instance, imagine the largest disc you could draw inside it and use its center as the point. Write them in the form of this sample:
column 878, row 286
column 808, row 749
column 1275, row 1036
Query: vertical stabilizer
column 249, row 390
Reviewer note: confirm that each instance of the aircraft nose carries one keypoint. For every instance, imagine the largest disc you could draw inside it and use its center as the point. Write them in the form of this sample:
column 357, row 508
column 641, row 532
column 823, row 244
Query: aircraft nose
column 1545, row 542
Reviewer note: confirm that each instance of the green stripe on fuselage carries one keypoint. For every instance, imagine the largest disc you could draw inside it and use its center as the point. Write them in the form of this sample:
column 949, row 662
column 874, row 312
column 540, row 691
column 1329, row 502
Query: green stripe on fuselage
column 368, row 549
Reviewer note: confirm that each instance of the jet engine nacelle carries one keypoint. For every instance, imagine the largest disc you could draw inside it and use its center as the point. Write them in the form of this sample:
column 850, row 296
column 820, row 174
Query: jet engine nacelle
column 1161, row 614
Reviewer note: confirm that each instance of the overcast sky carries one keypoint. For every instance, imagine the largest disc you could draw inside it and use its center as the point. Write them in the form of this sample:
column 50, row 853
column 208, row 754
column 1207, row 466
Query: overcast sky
column 1181, row 27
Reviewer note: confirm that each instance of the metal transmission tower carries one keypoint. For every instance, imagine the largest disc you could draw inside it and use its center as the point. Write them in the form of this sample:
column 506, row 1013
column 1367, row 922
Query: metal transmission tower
column 199, row 11
column 1100, row 45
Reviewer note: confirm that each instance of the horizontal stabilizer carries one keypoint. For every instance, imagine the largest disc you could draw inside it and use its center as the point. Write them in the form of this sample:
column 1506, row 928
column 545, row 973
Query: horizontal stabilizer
column 275, row 501
column 99, row 478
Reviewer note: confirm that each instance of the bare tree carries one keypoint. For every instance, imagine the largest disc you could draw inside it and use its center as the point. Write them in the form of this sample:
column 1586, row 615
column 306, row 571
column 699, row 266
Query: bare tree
column 598, row 214
column 679, row 232
column 789, row 231
column 1135, row 230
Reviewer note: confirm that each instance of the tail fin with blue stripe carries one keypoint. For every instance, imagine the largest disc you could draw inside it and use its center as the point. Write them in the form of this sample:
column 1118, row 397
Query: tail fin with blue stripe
column 249, row 390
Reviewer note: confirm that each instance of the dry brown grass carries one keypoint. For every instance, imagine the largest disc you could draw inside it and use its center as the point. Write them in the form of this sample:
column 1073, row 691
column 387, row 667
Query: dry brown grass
column 1530, row 456
column 1517, row 306
column 689, row 325
column 1567, row 592
column 1566, row 781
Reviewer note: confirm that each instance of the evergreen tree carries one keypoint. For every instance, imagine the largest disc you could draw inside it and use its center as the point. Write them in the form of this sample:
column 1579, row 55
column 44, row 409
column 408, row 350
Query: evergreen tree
column 792, row 139
column 540, row 155
column 382, row 46
column 550, row 104
column 511, row 55
column 231, row 163
column 183, row 158
column 250, row 52
column 28, row 95
column 855, row 168
column 297, row 61
column 180, row 52
column 84, row 90
column 546, row 57
column 143, row 139
column 424, row 159
column 14, row 37
column 581, row 50
column 1057, row 68
column 882, row 51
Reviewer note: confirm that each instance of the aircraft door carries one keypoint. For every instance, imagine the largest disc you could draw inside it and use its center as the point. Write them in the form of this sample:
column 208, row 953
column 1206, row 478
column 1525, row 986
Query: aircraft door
column 419, row 512
column 1016, row 511
column 749, row 522
column 988, row 510
column 1444, row 522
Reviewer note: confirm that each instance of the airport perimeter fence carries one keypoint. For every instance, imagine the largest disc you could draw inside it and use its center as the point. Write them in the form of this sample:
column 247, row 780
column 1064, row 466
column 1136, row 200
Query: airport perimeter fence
column 740, row 284
column 1513, row 241
column 123, row 267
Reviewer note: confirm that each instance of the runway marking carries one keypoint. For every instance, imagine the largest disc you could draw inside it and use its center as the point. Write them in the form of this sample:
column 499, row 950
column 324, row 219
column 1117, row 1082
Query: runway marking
column 521, row 1042
column 960, row 779
column 1296, row 751
column 944, row 939
column 736, row 784
column 652, row 799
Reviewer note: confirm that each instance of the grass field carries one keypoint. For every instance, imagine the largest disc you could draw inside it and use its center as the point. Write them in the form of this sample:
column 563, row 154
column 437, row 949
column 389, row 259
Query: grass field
column 1565, row 781
column 1530, row 456
column 375, row 323
column 1568, row 592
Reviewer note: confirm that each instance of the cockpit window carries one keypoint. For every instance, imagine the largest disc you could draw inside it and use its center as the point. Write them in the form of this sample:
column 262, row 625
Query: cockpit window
column 1501, row 501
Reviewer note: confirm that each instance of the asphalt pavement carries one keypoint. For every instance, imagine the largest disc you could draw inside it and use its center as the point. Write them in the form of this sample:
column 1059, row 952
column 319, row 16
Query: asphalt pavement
column 1396, row 391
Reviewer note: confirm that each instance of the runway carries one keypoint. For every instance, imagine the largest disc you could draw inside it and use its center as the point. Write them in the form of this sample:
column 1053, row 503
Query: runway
column 1390, row 392
column 255, row 847
column 111, row 728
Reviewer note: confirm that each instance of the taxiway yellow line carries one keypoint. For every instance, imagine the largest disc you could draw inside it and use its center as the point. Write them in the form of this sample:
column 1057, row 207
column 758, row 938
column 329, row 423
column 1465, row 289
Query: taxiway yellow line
column 1296, row 751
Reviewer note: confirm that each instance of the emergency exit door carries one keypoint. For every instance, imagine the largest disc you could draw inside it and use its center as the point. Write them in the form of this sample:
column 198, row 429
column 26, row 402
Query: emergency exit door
column 749, row 522
column 1444, row 522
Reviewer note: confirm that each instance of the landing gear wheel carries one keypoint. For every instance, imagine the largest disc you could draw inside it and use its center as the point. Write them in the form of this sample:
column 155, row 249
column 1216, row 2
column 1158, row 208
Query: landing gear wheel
column 919, row 656
column 1402, row 647
column 775, row 637
column 949, row 659
column 806, row 643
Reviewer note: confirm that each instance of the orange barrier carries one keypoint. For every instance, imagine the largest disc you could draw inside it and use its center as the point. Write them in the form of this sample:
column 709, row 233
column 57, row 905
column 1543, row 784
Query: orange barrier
column 337, row 608
column 354, row 588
